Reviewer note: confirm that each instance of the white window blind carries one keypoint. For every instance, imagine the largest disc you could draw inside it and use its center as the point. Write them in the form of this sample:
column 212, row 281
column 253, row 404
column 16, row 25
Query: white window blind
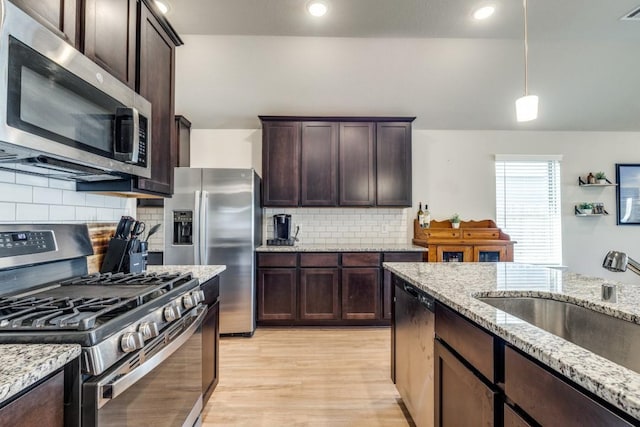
column 528, row 207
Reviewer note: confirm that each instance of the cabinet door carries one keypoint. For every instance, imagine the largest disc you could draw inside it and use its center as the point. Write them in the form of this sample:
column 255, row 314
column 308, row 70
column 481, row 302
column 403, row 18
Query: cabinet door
column 42, row 406
column 156, row 85
column 319, row 299
column 60, row 16
column 318, row 166
column 361, row 293
column 357, row 164
column 281, row 163
column 461, row 398
column 387, row 297
column 277, row 294
column 110, row 37
column 453, row 253
column 489, row 253
column 393, row 164
column 210, row 351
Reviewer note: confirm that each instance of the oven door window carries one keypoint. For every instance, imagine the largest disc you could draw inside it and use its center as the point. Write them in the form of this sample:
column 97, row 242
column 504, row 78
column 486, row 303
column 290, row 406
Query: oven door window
column 47, row 100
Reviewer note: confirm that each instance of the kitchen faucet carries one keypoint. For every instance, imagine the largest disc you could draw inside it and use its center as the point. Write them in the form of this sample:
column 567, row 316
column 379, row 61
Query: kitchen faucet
column 619, row 261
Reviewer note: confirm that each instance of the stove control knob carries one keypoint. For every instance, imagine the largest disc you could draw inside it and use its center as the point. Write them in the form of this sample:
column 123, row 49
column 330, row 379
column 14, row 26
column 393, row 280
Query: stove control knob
column 170, row 313
column 131, row 341
column 148, row 330
column 200, row 295
column 188, row 301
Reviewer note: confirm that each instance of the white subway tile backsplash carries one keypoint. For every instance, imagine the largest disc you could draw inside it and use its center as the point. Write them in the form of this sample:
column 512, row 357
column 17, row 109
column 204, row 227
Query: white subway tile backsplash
column 32, row 212
column 62, row 213
column 84, row 213
column 62, row 184
column 16, row 193
column 7, row 212
column 94, row 200
column 49, row 196
column 34, row 181
column 73, row 198
column 6, row 176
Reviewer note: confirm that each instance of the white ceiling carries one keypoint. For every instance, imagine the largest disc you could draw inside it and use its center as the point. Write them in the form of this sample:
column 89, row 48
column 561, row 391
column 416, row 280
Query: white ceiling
column 426, row 58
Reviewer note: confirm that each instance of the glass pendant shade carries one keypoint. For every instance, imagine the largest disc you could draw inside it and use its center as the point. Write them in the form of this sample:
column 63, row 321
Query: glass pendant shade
column 527, row 108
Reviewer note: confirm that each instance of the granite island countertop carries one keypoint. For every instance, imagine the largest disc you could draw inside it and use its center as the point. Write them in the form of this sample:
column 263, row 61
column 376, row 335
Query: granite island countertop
column 456, row 285
column 202, row 272
column 344, row 247
column 22, row 365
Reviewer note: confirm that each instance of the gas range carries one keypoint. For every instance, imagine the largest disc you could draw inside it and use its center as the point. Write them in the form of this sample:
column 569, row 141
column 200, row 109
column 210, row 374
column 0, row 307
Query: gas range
column 109, row 315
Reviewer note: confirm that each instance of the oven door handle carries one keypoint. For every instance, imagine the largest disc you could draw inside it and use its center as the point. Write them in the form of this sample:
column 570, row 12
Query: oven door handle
column 112, row 390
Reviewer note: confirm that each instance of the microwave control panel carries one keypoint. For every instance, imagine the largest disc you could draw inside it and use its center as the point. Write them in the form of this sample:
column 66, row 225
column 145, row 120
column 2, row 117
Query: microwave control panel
column 142, row 144
column 26, row 242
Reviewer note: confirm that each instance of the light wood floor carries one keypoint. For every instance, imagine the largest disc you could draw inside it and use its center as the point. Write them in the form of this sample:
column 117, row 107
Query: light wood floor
column 306, row 377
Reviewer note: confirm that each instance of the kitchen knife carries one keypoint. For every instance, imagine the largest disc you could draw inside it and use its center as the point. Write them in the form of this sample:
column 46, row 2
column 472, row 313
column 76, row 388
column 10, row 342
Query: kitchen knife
column 127, row 228
column 120, row 227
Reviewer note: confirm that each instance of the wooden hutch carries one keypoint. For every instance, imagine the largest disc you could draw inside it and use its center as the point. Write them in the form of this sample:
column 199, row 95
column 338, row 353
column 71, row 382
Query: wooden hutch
column 474, row 241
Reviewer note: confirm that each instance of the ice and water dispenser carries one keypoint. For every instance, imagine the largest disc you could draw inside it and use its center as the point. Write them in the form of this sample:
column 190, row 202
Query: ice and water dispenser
column 183, row 227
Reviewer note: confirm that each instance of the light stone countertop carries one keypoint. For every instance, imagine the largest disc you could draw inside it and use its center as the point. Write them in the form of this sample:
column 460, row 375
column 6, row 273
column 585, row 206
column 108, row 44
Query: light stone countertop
column 202, row 272
column 22, row 365
column 343, row 247
column 456, row 284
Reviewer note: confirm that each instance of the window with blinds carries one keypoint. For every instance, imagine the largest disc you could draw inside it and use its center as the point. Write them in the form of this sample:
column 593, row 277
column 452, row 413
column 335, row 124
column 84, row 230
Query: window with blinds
column 528, row 206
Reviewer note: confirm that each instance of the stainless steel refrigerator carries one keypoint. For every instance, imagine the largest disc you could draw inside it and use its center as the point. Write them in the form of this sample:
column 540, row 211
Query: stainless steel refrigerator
column 214, row 217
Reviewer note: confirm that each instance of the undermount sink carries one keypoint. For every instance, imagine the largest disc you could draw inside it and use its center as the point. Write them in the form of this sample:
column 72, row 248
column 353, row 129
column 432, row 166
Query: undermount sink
column 612, row 338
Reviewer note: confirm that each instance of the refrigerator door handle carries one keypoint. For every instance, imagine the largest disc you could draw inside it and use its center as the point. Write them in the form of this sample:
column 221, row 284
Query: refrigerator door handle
column 196, row 227
column 204, row 224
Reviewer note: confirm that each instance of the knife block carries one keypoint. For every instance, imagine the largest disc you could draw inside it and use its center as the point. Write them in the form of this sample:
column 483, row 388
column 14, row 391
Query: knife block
column 115, row 255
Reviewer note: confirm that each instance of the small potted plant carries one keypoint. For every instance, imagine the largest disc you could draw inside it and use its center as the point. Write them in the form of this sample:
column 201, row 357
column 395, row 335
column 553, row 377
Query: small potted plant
column 601, row 178
column 585, row 208
column 455, row 221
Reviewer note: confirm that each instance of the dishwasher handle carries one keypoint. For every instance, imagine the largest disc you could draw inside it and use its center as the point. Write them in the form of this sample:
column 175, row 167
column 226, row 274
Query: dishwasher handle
column 426, row 300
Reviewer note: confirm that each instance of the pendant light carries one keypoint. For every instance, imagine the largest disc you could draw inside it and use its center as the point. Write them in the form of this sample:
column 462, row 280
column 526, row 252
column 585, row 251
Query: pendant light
column 526, row 106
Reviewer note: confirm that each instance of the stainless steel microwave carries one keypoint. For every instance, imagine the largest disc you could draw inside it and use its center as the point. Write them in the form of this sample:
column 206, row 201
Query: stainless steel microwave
column 62, row 115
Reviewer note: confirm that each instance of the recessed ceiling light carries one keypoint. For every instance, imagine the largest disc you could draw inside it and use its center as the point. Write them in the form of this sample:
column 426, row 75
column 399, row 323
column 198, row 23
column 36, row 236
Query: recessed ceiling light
column 317, row 8
column 484, row 12
column 163, row 6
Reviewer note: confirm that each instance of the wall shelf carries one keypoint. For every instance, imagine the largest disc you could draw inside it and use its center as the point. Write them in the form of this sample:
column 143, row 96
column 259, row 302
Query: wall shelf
column 583, row 183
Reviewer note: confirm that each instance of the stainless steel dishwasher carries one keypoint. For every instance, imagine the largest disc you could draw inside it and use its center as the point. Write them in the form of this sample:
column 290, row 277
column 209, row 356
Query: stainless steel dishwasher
column 414, row 324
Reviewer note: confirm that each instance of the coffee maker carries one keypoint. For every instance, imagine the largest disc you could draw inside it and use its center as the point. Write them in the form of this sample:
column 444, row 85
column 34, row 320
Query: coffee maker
column 281, row 231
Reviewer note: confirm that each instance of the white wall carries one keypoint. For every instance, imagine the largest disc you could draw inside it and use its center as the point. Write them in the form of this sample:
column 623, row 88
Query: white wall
column 453, row 171
column 226, row 148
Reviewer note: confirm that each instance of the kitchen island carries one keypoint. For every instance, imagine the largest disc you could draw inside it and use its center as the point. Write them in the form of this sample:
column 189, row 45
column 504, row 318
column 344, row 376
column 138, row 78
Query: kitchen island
column 456, row 286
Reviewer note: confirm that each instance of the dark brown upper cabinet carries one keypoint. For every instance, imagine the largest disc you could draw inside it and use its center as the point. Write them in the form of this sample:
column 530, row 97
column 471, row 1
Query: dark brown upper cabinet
column 393, row 164
column 63, row 17
column 319, row 164
column 281, row 163
column 357, row 164
column 336, row 161
column 110, row 37
column 156, row 69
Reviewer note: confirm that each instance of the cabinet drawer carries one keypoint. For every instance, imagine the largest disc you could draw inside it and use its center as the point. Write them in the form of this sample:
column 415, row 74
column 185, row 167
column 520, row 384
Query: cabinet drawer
column 486, row 234
column 361, row 259
column 444, row 233
column 550, row 400
column 319, row 260
column 278, row 260
column 468, row 340
column 403, row 256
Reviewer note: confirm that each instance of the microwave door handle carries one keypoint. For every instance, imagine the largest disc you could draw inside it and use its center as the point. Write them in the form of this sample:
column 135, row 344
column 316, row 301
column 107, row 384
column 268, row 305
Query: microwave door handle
column 135, row 153
column 109, row 391
column 204, row 224
column 195, row 229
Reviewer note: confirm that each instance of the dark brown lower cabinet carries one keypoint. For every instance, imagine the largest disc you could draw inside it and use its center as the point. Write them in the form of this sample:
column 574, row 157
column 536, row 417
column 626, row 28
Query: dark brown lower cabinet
column 461, row 398
column 548, row 399
column 210, row 351
column 319, row 294
column 42, row 406
column 361, row 293
column 512, row 418
column 277, row 294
